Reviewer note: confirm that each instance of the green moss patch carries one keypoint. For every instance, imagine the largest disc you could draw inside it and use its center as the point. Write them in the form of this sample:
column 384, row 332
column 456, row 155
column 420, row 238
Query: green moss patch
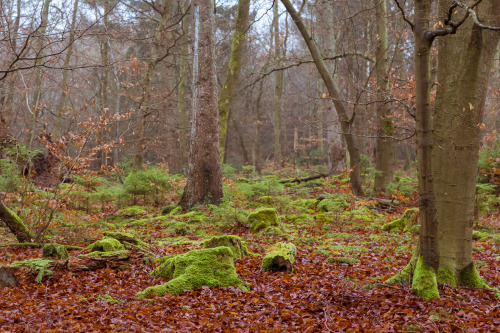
column 469, row 276
column 36, row 265
column 263, row 218
column 424, row 283
column 106, row 245
column 342, row 260
column 56, row 251
column 235, row 243
column 409, row 219
column 211, row 267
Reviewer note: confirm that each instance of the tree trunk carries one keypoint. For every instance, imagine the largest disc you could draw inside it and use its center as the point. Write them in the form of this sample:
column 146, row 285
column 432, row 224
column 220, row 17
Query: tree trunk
column 204, row 177
column 182, row 93
column 385, row 127
column 229, row 87
column 465, row 60
column 278, row 85
column 15, row 225
column 345, row 121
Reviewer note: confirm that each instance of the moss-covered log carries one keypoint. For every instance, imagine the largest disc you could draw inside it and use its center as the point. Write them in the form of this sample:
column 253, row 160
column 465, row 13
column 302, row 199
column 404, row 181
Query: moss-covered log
column 263, row 218
column 36, row 270
column 15, row 225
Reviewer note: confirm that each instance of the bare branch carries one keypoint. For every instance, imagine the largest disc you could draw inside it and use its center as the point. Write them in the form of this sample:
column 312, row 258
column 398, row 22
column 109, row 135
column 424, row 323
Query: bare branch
column 401, row 9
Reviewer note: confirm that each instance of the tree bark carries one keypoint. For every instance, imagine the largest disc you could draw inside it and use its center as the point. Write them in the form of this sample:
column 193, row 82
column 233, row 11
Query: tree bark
column 229, row 87
column 278, row 85
column 465, row 60
column 345, row 121
column 182, row 92
column 15, row 225
column 385, row 127
column 204, row 177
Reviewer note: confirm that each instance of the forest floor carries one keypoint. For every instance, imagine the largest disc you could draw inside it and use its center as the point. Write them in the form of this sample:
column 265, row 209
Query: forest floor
column 321, row 295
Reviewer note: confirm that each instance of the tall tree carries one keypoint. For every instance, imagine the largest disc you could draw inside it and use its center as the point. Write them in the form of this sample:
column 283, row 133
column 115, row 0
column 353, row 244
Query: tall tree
column 204, row 176
column 444, row 253
column 229, row 87
column 278, row 85
column 385, row 126
column 333, row 91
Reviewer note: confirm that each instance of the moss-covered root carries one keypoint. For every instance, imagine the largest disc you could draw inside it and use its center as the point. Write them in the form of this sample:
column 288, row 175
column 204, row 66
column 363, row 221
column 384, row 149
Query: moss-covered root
column 15, row 225
column 280, row 257
column 406, row 273
column 56, row 251
column 424, row 283
column 212, row 267
column 408, row 220
column 106, row 245
column 235, row 243
column 263, row 218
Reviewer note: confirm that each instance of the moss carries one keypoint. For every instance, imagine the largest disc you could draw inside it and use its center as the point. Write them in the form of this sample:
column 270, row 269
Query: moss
column 20, row 225
column 106, row 245
column 414, row 230
column 272, row 231
column 212, row 267
column 408, row 219
column 480, row 235
column 194, row 216
column 170, row 210
column 342, row 260
column 178, row 228
column 109, row 299
column 279, row 257
column 332, row 205
column 424, row 283
column 446, row 276
column 469, row 276
column 404, row 276
column 263, row 218
column 266, row 200
column 132, row 211
column 235, row 243
column 123, row 237
column 242, row 180
column 36, row 265
column 55, row 251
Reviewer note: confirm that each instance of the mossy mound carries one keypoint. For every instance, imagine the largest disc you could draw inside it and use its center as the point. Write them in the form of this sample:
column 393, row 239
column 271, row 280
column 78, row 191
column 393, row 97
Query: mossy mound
column 424, row 283
column 123, row 237
column 106, row 245
column 193, row 216
column 263, row 218
column 280, row 257
column 333, row 205
column 409, row 219
column 171, row 210
column 235, row 243
column 132, row 211
column 178, row 228
column 212, row 267
column 266, row 200
column 56, row 251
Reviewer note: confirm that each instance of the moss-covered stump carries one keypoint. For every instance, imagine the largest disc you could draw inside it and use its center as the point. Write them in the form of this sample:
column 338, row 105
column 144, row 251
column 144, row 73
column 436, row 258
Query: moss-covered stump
column 280, row 257
column 56, row 251
column 235, row 243
column 15, row 225
column 107, row 244
column 409, row 219
column 211, row 267
column 263, row 218
column 37, row 270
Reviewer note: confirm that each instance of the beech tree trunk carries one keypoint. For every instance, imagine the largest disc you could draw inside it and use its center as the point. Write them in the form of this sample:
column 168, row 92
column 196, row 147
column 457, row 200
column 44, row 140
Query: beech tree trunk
column 204, row 177
column 229, row 87
column 182, row 92
column 465, row 61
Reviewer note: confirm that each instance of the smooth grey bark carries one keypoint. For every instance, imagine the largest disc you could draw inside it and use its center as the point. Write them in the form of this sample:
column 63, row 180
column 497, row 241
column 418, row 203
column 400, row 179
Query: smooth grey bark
column 278, row 86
